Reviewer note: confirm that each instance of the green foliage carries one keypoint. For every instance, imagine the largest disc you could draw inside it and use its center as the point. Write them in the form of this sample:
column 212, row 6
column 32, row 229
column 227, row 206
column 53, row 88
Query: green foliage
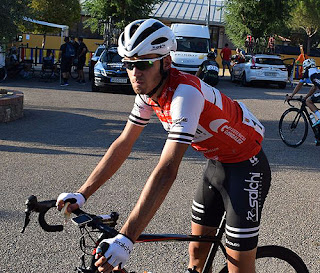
column 121, row 11
column 306, row 16
column 60, row 12
column 11, row 16
column 256, row 17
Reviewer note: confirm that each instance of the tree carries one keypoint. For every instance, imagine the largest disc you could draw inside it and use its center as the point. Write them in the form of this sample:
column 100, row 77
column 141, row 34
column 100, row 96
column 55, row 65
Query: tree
column 306, row 16
column 55, row 11
column 256, row 17
column 11, row 16
column 117, row 13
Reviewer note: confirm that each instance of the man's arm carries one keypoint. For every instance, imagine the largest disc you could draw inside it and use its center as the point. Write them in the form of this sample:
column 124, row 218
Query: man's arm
column 199, row 70
column 110, row 163
column 152, row 196
column 295, row 91
column 155, row 190
column 311, row 91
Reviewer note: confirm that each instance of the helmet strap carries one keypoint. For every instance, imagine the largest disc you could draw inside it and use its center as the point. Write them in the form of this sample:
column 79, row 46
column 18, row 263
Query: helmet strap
column 164, row 75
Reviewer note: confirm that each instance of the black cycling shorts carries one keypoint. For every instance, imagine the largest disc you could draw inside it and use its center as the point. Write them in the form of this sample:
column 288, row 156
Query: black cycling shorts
column 240, row 189
column 66, row 65
column 315, row 97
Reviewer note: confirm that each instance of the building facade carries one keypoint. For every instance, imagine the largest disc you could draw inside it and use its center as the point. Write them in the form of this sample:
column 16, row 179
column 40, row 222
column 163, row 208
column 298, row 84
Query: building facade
column 195, row 12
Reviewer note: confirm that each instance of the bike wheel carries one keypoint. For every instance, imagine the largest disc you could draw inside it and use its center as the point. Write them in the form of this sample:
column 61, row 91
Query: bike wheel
column 293, row 127
column 3, row 74
column 74, row 72
column 277, row 259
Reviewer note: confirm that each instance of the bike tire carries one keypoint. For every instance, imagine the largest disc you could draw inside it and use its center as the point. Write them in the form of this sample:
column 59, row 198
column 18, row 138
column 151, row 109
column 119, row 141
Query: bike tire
column 271, row 259
column 293, row 131
column 74, row 72
column 3, row 74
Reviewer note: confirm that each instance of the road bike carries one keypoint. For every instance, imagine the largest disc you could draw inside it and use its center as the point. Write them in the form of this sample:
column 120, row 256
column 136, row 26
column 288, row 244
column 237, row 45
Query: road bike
column 293, row 124
column 74, row 69
column 95, row 228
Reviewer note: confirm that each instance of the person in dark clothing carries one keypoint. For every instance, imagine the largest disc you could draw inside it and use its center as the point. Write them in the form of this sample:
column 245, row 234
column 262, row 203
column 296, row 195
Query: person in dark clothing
column 66, row 56
column 208, row 71
column 82, row 51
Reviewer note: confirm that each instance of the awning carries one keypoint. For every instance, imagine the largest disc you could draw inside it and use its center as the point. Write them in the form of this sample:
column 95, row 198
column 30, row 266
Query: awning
column 190, row 11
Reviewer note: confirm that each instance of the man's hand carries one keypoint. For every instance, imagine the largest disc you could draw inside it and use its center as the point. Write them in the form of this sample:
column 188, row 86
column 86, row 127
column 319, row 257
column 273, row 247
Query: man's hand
column 288, row 97
column 77, row 197
column 114, row 251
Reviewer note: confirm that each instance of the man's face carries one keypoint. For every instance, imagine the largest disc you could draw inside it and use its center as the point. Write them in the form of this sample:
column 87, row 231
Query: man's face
column 144, row 80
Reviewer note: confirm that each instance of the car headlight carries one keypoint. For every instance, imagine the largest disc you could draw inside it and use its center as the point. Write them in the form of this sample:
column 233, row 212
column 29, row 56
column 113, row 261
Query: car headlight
column 99, row 72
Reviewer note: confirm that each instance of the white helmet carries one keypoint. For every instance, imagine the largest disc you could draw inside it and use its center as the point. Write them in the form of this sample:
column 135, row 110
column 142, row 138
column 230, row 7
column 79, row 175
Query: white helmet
column 146, row 36
column 309, row 63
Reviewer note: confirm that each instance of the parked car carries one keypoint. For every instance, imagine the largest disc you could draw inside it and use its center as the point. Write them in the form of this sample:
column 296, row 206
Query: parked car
column 110, row 73
column 260, row 68
column 94, row 59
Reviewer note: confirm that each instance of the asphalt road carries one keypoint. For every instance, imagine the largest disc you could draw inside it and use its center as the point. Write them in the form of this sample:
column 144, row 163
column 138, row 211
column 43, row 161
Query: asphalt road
column 64, row 133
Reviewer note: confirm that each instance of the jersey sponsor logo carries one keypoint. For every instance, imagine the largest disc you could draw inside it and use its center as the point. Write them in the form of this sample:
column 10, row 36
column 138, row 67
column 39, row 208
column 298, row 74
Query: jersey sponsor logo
column 317, row 81
column 229, row 131
column 178, row 122
column 215, row 124
column 253, row 190
column 212, row 68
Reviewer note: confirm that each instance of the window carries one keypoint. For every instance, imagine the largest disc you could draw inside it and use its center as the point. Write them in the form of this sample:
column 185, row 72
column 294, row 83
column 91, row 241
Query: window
column 190, row 44
column 110, row 57
column 269, row 61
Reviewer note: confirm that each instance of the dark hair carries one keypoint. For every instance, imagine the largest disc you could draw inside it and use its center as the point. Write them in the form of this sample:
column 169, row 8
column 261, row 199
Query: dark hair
column 211, row 55
column 80, row 39
column 66, row 39
column 226, row 44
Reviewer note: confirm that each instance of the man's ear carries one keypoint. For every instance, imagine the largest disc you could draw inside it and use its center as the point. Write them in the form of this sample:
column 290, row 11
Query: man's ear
column 167, row 63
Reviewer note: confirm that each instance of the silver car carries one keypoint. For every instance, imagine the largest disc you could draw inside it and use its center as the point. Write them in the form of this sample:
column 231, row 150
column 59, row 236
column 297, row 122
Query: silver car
column 260, row 68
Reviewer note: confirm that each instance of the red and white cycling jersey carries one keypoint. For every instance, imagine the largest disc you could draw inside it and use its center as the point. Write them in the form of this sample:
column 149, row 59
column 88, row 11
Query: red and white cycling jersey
column 195, row 113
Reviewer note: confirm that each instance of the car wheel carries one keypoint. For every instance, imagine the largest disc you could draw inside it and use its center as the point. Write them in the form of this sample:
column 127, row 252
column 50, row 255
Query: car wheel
column 232, row 77
column 282, row 85
column 244, row 80
column 94, row 88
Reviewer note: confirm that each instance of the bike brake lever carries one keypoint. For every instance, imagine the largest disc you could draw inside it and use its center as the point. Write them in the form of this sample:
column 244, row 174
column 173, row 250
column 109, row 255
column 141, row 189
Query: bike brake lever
column 31, row 205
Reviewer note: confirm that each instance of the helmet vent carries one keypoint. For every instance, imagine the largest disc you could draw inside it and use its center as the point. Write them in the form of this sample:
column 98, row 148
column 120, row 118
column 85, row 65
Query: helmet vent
column 159, row 41
column 147, row 32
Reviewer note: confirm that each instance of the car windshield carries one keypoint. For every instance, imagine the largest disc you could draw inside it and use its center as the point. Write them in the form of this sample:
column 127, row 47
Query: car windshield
column 99, row 51
column 190, row 44
column 269, row 61
column 110, row 57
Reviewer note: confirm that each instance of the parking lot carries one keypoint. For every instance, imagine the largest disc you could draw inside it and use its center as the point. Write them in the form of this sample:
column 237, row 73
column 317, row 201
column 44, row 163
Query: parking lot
column 66, row 130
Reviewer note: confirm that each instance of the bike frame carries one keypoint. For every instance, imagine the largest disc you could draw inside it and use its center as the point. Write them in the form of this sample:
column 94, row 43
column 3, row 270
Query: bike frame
column 303, row 110
column 105, row 227
column 215, row 240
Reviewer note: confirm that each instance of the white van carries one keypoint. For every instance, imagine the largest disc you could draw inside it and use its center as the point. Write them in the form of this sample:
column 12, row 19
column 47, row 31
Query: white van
column 193, row 46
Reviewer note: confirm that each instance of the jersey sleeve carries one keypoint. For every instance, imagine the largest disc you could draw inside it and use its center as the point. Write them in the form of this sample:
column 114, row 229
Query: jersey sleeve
column 141, row 111
column 186, row 108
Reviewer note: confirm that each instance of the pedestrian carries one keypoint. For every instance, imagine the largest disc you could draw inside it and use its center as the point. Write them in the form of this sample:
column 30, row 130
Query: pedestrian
column 237, row 175
column 82, row 52
column 66, row 56
column 271, row 46
column 225, row 55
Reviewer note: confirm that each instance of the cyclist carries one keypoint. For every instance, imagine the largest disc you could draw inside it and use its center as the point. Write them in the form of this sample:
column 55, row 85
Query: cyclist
column 209, row 70
column 237, row 175
column 311, row 74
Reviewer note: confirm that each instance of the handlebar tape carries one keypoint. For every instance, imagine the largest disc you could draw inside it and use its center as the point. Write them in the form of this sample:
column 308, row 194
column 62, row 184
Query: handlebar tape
column 46, row 227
